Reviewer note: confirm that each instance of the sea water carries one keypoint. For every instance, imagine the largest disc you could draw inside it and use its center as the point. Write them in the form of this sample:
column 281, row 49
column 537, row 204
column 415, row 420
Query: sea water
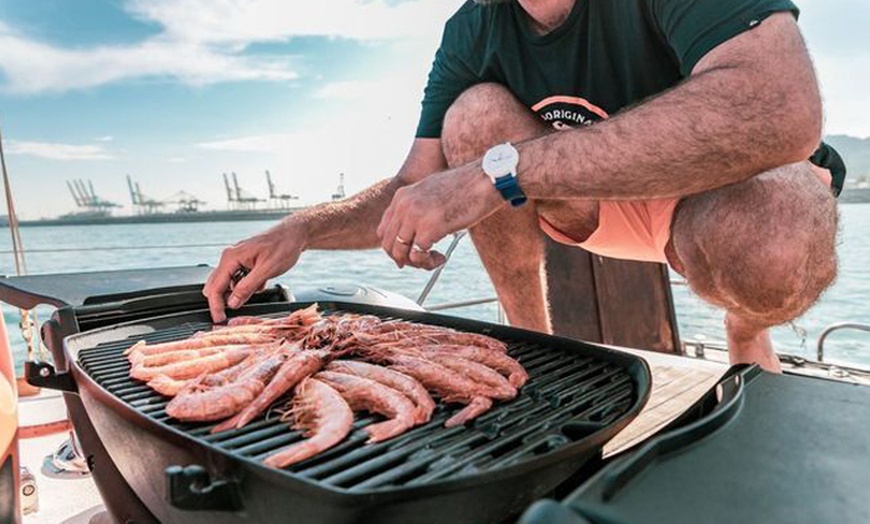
column 93, row 248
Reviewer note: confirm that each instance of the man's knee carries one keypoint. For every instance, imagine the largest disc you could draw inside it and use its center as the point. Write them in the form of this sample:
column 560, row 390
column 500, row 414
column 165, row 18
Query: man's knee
column 779, row 281
column 770, row 244
column 482, row 116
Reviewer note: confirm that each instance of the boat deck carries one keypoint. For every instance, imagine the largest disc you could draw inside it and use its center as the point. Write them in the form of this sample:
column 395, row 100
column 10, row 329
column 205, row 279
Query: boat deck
column 677, row 383
column 61, row 500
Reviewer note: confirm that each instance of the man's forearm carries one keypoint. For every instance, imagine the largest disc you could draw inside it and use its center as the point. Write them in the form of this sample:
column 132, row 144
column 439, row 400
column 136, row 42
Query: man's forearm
column 725, row 124
column 348, row 224
column 353, row 223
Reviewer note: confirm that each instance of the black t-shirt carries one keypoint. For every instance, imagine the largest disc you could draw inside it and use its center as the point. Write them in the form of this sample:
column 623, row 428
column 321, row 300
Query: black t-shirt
column 607, row 55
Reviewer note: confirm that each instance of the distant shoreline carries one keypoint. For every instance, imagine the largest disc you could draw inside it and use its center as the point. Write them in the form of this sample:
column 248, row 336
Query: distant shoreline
column 849, row 196
column 161, row 218
column 855, row 195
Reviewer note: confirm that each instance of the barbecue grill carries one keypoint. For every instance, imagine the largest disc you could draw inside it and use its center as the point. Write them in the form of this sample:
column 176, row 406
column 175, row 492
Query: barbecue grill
column 151, row 468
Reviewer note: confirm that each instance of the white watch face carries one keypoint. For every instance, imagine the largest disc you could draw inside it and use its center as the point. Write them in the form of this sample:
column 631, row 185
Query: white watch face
column 501, row 160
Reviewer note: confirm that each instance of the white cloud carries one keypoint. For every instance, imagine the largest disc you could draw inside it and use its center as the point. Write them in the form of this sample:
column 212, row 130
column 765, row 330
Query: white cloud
column 34, row 67
column 56, row 151
column 107, row 138
column 348, row 90
column 241, row 22
column 273, row 142
column 204, row 41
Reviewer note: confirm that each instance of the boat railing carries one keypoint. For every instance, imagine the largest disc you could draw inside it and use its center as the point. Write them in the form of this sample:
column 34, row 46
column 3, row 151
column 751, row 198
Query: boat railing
column 833, row 328
column 699, row 344
column 436, row 274
column 116, row 248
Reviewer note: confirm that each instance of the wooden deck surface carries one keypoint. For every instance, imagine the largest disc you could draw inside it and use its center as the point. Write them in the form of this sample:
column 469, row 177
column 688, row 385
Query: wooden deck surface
column 678, row 382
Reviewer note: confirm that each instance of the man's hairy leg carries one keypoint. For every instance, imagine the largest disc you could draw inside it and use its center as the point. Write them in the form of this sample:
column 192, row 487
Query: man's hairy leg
column 510, row 242
column 762, row 249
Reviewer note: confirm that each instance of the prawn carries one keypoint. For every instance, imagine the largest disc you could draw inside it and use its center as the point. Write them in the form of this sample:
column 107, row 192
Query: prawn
column 324, row 418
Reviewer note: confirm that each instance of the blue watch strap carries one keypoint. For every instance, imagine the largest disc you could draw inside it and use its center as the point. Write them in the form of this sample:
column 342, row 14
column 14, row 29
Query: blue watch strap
column 510, row 190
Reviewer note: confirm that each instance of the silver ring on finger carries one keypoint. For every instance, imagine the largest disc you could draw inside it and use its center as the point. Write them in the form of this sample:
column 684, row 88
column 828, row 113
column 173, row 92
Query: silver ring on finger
column 401, row 240
column 239, row 274
column 418, row 249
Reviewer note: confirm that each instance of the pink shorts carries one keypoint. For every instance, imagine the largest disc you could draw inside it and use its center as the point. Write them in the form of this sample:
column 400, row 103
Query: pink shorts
column 628, row 230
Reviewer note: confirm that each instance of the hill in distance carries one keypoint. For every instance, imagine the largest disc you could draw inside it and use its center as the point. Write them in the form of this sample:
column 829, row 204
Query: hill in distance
column 855, row 152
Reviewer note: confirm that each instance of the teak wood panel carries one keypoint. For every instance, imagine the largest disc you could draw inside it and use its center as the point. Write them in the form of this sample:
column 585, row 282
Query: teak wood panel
column 616, row 302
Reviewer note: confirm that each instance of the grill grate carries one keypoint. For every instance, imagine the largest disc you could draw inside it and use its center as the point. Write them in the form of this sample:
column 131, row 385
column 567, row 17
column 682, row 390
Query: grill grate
column 567, row 397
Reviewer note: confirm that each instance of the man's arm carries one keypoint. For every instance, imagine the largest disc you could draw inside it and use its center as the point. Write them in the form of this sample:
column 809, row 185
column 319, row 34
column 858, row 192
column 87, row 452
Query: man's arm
column 751, row 104
column 349, row 224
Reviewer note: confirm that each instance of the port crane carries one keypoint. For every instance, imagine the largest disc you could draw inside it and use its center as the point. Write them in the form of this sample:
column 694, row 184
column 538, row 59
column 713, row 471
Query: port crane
column 281, row 201
column 187, row 203
column 85, row 197
column 145, row 205
column 237, row 197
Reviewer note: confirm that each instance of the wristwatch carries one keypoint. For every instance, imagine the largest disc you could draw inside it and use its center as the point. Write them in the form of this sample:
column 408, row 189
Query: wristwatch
column 500, row 165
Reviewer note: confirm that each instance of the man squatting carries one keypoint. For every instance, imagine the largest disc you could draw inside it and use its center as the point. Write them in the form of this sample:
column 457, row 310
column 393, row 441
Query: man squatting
column 705, row 114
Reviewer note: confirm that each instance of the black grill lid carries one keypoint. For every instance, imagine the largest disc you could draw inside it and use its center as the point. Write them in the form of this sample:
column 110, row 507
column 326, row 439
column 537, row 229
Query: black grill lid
column 77, row 289
column 757, row 448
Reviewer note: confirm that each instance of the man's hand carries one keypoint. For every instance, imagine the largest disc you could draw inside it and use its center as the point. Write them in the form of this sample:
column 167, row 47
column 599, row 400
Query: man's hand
column 263, row 256
column 423, row 213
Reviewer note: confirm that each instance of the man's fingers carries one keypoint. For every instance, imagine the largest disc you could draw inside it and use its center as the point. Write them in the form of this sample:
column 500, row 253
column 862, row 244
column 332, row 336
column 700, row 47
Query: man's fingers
column 246, row 287
column 389, row 238
column 402, row 245
column 217, row 307
column 436, row 259
column 220, row 278
column 427, row 260
column 218, row 285
column 385, row 220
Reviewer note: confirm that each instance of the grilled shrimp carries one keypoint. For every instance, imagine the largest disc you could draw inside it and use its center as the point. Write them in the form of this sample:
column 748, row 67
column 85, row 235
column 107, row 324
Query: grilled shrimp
column 475, row 408
column 300, row 317
column 141, row 349
column 497, row 360
column 161, row 359
column 323, row 416
column 230, row 356
column 501, row 388
column 298, row 365
column 447, row 383
column 405, row 384
column 363, row 394
column 204, row 401
column 396, row 330
column 241, row 321
column 170, row 387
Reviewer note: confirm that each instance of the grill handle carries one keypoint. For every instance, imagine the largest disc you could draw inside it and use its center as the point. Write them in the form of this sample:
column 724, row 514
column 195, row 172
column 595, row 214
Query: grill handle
column 548, row 511
column 191, row 488
column 43, row 375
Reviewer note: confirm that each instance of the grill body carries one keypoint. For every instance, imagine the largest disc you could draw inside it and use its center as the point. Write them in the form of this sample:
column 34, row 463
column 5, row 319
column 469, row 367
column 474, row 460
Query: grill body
column 578, row 397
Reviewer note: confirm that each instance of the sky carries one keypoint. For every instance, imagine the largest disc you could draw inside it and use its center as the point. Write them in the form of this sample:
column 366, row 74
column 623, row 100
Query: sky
column 176, row 92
